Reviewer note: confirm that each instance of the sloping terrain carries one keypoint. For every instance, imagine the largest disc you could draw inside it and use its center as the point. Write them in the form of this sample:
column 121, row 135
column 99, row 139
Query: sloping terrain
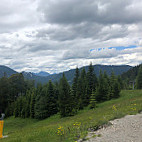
column 126, row 129
column 75, row 127
column 4, row 70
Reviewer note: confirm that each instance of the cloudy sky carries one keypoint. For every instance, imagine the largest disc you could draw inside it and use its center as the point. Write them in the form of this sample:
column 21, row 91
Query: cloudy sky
column 58, row 35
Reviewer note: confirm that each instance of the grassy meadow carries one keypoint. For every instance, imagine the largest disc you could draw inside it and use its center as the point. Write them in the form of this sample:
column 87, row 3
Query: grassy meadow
column 70, row 129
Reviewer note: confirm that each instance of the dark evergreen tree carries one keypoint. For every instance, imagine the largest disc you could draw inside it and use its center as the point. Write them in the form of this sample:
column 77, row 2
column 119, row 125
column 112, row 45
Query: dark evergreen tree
column 65, row 100
column 92, row 101
column 75, row 89
column 102, row 89
column 23, row 110
column 17, row 86
column 16, row 112
column 139, row 78
column 4, row 94
column 52, row 99
column 27, row 104
column 116, row 89
column 41, row 105
column 120, row 82
column 112, row 82
column 79, row 95
column 91, row 82
column 106, row 86
column 56, row 95
column 83, row 89
column 32, row 104
column 9, row 110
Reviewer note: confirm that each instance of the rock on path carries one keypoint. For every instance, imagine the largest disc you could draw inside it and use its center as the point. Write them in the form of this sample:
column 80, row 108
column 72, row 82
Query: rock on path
column 127, row 129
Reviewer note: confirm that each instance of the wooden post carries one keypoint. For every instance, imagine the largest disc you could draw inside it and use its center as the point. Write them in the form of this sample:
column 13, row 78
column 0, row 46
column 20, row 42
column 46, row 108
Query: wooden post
column 1, row 128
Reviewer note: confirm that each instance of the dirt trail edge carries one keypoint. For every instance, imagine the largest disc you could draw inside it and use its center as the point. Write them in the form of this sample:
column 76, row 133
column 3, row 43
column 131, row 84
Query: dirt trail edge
column 126, row 129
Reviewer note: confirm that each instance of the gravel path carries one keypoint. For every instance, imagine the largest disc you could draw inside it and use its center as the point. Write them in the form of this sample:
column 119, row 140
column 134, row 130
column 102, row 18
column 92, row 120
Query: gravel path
column 127, row 129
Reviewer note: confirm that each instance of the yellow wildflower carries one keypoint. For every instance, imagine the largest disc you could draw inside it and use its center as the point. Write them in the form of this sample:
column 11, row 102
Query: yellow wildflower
column 114, row 108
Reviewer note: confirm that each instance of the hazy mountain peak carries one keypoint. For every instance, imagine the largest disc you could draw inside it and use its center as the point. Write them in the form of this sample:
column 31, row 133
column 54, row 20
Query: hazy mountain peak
column 6, row 70
column 42, row 73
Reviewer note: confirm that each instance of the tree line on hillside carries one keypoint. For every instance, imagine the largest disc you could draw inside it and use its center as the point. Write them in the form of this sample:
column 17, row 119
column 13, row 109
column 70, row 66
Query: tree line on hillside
column 22, row 99
column 11, row 88
column 139, row 78
column 130, row 78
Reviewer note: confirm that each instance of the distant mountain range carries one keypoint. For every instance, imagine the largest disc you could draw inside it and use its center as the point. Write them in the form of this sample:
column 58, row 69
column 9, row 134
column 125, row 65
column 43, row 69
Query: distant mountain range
column 6, row 70
column 44, row 77
column 118, row 70
column 42, row 73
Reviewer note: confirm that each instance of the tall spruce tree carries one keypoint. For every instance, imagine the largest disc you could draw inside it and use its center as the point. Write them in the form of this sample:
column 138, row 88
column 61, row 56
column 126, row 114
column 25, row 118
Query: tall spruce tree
column 76, row 90
column 52, row 100
column 65, row 100
column 23, row 110
column 41, row 105
column 27, row 104
column 116, row 89
column 83, row 87
column 32, row 104
column 92, row 101
column 111, row 85
column 16, row 107
column 91, row 82
column 119, row 79
column 79, row 95
column 106, row 86
column 101, row 91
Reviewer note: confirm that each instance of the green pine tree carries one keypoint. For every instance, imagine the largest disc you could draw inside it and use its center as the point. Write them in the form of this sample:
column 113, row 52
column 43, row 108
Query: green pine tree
column 52, row 100
column 102, row 89
column 27, row 104
column 92, row 101
column 41, row 105
column 83, row 88
column 91, row 82
column 32, row 104
column 116, row 89
column 65, row 100
column 75, row 91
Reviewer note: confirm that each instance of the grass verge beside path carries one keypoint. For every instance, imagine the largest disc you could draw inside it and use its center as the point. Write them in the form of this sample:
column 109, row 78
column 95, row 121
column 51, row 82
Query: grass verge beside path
column 69, row 129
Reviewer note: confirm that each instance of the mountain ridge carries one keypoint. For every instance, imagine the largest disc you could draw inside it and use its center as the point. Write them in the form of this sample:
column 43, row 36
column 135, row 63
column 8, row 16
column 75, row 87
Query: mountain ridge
column 4, row 70
column 42, row 73
column 117, row 69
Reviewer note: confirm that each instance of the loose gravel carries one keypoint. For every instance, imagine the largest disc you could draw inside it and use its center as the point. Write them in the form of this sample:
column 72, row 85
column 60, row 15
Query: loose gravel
column 127, row 129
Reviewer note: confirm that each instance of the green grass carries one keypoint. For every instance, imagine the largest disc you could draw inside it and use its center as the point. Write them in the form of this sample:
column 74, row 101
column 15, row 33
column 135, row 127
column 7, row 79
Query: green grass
column 29, row 130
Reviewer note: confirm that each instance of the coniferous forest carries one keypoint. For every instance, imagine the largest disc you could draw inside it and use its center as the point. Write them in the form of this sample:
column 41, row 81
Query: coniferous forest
column 21, row 98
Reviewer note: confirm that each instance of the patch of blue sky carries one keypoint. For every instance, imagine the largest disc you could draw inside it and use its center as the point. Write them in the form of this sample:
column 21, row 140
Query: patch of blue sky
column 115, row 47
column 123, row 47
column 97, row 49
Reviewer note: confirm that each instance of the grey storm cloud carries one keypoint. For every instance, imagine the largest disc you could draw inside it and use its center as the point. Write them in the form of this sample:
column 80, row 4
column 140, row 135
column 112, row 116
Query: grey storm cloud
column 99, row 11
column 63, row 33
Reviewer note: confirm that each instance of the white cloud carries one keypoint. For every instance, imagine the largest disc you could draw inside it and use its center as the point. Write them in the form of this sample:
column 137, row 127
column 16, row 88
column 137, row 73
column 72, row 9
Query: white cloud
column 55, row 36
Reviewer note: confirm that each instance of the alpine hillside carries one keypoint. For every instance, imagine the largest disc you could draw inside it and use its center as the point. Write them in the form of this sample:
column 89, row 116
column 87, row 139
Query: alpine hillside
column 42, row 78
